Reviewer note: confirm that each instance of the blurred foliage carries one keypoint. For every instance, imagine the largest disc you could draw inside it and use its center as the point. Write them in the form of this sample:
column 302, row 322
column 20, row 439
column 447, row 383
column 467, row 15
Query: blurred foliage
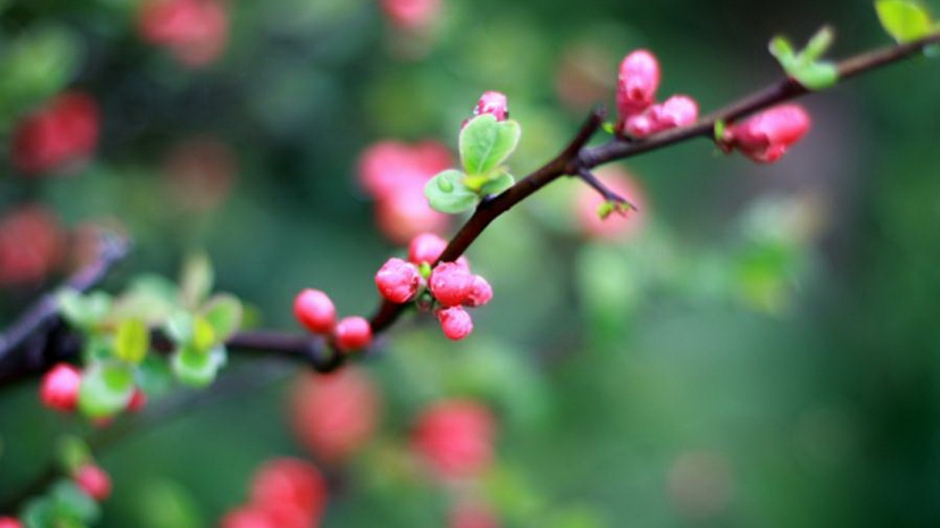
column 763, row 353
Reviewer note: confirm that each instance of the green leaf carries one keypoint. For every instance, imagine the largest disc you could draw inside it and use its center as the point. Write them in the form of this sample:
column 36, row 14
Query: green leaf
column 83, row 311
column 783, row 51
column 198, row 369
column 179, row 327
column 204, row 336
column 105, row 389
column 132, row 341
column 154, row 376
column 224, row 313
column 498, row 184
column 72, row 503
column 196, row 279
column 720, row 127
column 818, row 44
column 39, row 513
column 447, row 193
column 816, row 75
column 904, row 20
column 485, row 143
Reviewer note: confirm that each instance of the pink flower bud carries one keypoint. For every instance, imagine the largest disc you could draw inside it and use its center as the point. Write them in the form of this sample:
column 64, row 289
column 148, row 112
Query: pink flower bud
column 31, row 245
column 247, row 517
column 315, row 311
column 195, row 31
column 335, row 414
column 450, row 283
column 10, row 522
column 411, row 14
column 426, row 247
column 765, row 137
column 455, row 322
column 637, row 83
column 59, row 388
column 398, row 280
column 480, row 293
column 65, row 131
column 677, row 111
column 353, row 333
column 455, row 438
column 94, row 481
column 471, row 514
column 494, row 103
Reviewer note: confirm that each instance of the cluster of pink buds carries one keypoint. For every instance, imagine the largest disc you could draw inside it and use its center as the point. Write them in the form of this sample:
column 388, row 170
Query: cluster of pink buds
column 448, row 287
column 639, row 114
column 766, row 136
column 316, row 312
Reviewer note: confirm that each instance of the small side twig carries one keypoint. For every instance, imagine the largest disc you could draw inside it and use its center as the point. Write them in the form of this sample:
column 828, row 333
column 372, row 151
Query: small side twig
column 606, row 192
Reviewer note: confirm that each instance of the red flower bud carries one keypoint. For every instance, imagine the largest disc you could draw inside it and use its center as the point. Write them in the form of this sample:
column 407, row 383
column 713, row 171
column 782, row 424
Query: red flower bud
column 426, row 247
column 450, row 283
column 291, row 493
column 455, row 322
column 455, row 438
column 480, row 293
column 352, row 333
column 59, row 388
column 637, row 83
column 10, row 522
column 315, row 311
column 398, row 280
column 494, row 103
column 411, row 14
column 63, row 132
column 94, row 481
column 247, row 517
column 765, row 137
column 335, row 414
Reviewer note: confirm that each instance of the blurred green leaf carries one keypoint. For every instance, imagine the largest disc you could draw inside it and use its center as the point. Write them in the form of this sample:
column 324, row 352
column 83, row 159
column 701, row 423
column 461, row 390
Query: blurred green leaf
column 39, row 64
column 818, row 44
column 70, row 502
column 447, row 193
column 166, row 504
column 817, row 75
column 105, row 389
column 196, row 279
column 131, row 341
column 224, row 313
column 39, row 513
column 485, row 143
column 195, row 368
column 179, row 327
column 204, row 336
column 905, row 20
column 84, row 311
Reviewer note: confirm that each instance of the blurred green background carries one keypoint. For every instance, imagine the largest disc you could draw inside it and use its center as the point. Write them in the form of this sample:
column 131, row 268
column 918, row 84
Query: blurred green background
column 764, row 353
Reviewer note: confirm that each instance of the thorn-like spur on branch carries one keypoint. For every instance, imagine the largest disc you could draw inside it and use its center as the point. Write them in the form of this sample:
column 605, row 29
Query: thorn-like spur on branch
column 609, row 195
column 42, row 315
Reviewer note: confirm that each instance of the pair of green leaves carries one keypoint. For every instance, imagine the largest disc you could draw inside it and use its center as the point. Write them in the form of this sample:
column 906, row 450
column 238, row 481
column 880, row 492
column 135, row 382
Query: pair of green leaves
column 805, row 66
column 200, row 339
column 905, row 20
column 485, row 143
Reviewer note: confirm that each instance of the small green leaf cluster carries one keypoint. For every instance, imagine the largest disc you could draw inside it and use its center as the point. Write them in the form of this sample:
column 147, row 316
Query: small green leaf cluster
column 118, row 334
column 485, row 144
column 905, row 20
column 805, row 66
column 65, row 504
